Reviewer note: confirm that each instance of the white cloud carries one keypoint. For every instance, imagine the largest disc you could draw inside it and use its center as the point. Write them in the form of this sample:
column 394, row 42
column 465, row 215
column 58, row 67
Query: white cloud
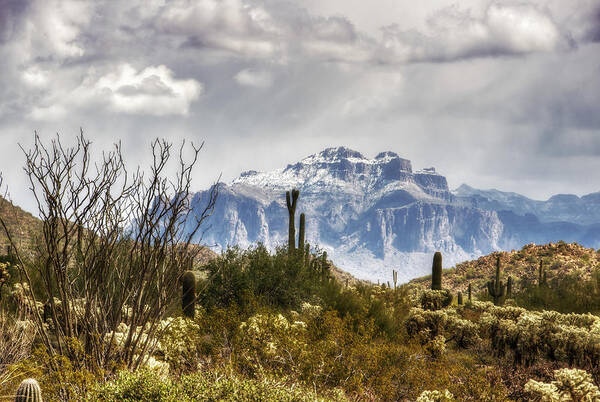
column 35, row 77
column 254, row 78
column 151, row 91
column 453, row 33
column 229, row 25
column 522, row 29
column 53, row 28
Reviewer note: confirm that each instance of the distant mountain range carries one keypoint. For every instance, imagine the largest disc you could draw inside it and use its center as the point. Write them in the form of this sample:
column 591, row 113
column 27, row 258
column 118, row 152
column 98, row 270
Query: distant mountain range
column 375, row 215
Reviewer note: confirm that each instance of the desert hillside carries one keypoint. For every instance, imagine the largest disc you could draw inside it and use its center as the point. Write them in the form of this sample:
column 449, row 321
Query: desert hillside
column 559, row 260
column 21, row 224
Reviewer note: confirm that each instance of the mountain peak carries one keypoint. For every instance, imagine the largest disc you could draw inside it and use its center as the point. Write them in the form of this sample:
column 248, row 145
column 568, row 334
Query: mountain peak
column 334, row 153
column 386, row 155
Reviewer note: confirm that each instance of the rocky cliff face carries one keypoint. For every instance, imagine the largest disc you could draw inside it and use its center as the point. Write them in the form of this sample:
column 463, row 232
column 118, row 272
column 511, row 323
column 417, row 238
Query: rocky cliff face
column 375, row 215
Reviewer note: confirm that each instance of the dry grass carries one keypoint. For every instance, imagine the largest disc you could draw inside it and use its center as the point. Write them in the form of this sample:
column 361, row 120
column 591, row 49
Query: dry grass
column 16, row 340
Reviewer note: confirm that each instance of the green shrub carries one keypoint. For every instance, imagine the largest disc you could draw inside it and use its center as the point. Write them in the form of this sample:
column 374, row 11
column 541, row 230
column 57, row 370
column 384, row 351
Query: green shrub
column 146, row 385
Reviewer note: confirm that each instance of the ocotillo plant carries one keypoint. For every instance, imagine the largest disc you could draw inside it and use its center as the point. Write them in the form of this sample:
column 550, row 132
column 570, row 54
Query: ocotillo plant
column 301, row 234
column 460, row 298
column 469, row 291
column 436, row 272
column 509, row 286
column 291, row 206
column 29, row 391
column 395, row 276
column 496, row 288
column 188, row 294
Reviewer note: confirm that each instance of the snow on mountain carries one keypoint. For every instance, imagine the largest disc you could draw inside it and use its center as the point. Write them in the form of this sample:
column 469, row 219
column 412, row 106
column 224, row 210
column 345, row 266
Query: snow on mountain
column 375, row 215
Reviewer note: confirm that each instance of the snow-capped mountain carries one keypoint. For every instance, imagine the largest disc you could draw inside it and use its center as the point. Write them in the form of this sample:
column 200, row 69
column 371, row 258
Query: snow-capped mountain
column 375, row 215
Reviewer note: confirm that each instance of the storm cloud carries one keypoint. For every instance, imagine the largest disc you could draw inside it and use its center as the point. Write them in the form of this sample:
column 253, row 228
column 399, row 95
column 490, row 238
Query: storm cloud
column 498, row 94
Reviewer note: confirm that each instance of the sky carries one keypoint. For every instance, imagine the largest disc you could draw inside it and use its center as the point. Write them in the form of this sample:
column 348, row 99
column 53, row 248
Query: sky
column 495, row 94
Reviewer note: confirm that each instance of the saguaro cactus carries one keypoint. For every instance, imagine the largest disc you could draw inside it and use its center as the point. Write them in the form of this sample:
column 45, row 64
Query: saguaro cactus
column 301, row 234
column 469, row 292
column 541, row 274
column 436, row 272
column 291, row 206
column 29, row 391
column 395, row 276
column 188, row 294
column 496, row 288
column 460, row 298
column 509, row 286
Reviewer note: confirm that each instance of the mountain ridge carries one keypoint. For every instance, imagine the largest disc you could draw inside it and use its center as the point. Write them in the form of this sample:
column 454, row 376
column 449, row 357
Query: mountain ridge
column 373, row 215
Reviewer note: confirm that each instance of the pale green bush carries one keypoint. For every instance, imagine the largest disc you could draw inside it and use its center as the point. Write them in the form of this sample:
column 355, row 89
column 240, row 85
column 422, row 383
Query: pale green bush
column 435, row 396
column 145, row 385
column 569, row 385
column 427, row 325
column 435, row 299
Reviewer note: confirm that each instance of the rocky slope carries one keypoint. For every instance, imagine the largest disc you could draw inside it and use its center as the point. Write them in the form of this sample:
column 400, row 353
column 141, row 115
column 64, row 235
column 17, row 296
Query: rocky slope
column 375, row 215
column 21, row 225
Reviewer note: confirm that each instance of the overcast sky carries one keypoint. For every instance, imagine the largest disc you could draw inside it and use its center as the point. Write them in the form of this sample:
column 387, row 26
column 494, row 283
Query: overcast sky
column 496, row 94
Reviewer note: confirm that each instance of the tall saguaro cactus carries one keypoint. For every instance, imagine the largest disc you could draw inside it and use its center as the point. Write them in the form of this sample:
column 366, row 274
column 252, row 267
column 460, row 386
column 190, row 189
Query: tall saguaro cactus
column 460, row 299
column 509, row 286
column 29, row 391
column 496, row 288
column 395, row 276
column 291, row 206
column 469, row 292
column 302, row 233
column 436, row 272
column 541, row 274
column 188, row 294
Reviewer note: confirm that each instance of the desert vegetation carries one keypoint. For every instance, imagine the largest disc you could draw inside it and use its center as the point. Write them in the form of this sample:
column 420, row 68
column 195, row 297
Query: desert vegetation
column 106, row 298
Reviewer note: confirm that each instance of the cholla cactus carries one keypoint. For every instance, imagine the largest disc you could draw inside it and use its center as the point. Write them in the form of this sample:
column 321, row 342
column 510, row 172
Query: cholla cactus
column 29, row 391
column 436, row 348
column 571, row 338
column 569, row 385
column 4, row 274
column 311, row 310
column 436, row 299
column 426, row 325
column 435, row 396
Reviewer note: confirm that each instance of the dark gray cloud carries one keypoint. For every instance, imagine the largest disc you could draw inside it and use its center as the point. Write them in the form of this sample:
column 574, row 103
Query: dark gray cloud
column 493, row 93
column 11, row 13
column 593, row 33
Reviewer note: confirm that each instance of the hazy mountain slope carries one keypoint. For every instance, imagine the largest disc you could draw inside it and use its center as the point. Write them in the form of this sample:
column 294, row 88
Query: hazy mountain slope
column 561, row 207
